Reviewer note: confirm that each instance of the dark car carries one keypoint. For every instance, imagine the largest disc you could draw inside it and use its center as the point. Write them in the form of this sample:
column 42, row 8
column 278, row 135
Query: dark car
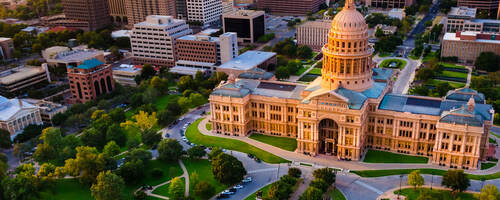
column 167, row 135
column 233, row 190
column 250, row 155
column 223, row 196
column 257, row 160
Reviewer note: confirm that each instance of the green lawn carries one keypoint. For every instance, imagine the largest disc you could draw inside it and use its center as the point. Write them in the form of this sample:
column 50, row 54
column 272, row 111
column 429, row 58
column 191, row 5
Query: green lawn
column 493, row 141
column 68, row 189
column 264, row 192
column 451, row 65
column 439, row 172
column 399, row 63
column 487, row 165
column 494, row 134
column 308, row 78
column 453, row 74
column 163, row 190
column 412, row 194
column 316, row 71
column 161, row 102
column 204, row 170
column 194, row 135
column 337, row 195
column 289, row 144
column 208, row 126
column 432, row 54
column 302, row 70
column 374, row 156
column 452, row 83
column 413, row 57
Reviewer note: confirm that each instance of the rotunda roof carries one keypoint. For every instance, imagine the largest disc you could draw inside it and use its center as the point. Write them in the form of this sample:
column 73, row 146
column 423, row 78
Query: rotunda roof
column 349, row 19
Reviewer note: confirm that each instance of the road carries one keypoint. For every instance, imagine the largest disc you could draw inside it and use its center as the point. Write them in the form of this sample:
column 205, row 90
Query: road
column 420, row 27
column 405, row 76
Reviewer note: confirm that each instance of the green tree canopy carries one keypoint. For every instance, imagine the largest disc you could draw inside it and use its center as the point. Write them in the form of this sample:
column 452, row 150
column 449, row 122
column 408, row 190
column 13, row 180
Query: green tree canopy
column 227, row 169
column 312, row 193
column 176, row 188
column 327, row 174
column 456, row 180
column 107, row 186
column 169, row 150
column 415, row 179
column 488, row 192
column 87, row 164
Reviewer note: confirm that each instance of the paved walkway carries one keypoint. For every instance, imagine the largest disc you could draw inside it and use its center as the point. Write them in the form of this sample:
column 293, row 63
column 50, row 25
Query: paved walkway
column 185, row 175
column 391, row 196
column 296, row 78
column 324, row 160
column 469, row 76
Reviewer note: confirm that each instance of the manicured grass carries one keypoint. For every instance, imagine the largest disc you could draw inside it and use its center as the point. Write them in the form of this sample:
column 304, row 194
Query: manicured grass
column 316, row 71
column 289, row 144
column 487, row 165
column 453, row 74
column 413, row 57
column 399, row 63
column 204, row 170
column 302, row 70
column 374, row 156
column 432, row 54
column 384, row 54
column 452, row 84
column 494, row 134
column 337, row 195
column 163, row 190
column 308, row 77
column 451, row 65
column 194, row 135
column 208, row 126
column 491, row 140
column 412, row 194
column 161, row 102
column 68, row 189
column 264, row 192
column 439, row 172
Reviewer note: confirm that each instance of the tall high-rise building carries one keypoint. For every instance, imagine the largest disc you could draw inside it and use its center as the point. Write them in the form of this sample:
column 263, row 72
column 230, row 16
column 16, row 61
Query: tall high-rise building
column 207, row 12
column 313, row 34
column 289, row 7
column 181, row 9
column 138, row 10
column 389, row 3
column 93, row 12
column 153, row 40
column 118, row 11
column 490, row 6
column 89, row 80
column 248, row 24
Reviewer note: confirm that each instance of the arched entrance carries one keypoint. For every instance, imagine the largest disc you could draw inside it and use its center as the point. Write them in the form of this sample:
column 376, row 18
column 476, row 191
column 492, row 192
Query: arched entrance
column 328, row 137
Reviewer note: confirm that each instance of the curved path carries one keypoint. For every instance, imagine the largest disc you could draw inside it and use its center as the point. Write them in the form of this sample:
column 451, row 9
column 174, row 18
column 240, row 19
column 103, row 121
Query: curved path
column 331, row 161
column 185, row 175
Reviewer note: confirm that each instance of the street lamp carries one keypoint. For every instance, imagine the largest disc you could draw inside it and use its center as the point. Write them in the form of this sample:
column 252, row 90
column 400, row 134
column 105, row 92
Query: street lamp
column 432, row 178
column 400, row 180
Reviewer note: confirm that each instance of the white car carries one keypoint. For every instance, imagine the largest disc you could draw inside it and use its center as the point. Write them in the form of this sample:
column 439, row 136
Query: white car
column 247, row 180
column 227, row 192
column 238, row 187
column 184, row 138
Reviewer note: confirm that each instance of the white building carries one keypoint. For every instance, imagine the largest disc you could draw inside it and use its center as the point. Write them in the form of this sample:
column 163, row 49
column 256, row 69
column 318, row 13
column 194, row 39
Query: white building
column 125, row 74
column 153, row 41
column 17, row 114
column 207, row 12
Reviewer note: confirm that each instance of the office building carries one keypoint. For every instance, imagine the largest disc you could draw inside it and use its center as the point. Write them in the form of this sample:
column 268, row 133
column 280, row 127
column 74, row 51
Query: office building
column 17, row 114
column 63, row 56
column 6, row 48
column 138, row 10
column 313, row 34
column 247, row 62
column 289, row 7
column 204, row 52
column 125, row 74
column 228, row 6
column 207, row 12
column 482, row 5
column 89, row 80
column 93, row 13
column 467, row 46
column 118, row 11
column 47, row 109
column 464, row 19
column 389, row 3
column 17, row 80
column 153, row 41
column 247, row 24
column 181, row 9
column 351, row 109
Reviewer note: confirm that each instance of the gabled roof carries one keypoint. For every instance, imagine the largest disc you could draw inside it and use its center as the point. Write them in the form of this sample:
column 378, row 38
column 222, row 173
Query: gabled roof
column 10, row 107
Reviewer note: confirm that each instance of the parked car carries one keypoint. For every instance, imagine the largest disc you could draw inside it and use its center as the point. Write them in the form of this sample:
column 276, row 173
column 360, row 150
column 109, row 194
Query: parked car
column 233, row 190
column 223, row 196
column 167, row 135
column 250, row 155
column 184, row 138
column 257, row 160
column 227, row 192
column 247, row 179
column 238, row 186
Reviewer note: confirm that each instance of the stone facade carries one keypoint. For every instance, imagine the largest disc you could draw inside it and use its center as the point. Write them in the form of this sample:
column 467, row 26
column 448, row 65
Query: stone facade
column 313, row 34
column 350, row 108
column 89, row 80
column 468, row 45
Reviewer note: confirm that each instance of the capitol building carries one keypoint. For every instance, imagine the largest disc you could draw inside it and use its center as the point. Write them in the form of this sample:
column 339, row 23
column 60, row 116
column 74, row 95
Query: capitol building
column 351, row 108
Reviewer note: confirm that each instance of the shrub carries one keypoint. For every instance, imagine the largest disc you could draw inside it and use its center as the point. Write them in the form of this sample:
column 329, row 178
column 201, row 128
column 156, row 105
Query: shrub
column 294, row 172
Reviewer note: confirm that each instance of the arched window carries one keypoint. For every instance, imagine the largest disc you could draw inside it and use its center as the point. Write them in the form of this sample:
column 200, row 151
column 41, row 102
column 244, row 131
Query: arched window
column 110, row 86
column 96, row 88
column 79, row 90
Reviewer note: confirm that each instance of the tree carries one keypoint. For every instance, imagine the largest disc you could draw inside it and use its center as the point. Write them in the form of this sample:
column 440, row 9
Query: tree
column 87, row 164
column 150, row 137
column 379, row 33
column 312, row 193
column 304, row 52
column 132, row 171
column 415, row 179
column 204, row 190
column 279, row 190
column 456, row 180
column 116, row 133
column 184, row 102
column 176, row 188
column 488, row 61
column 5, row 141
column 111, row 149
column 169, row 150
column 46, row 169
column 174, row 109
column 196, row 152
column 25, row 185
column 117, row 115
column 282, row 73
column 488, row 192
column 425, row 74
column 31, row 131
column 320, row 184
column 143, row 121
column 51, row 146
column 227, row 169
column 294, row 172
column 197, row 99
column 215, row 152
column 108, row 186
column 165, row 117
column 139, row 154
column 147, row 72
column 326, row 174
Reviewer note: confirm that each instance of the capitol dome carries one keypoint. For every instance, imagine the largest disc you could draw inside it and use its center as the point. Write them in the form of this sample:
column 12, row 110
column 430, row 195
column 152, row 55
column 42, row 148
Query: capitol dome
column 347, row 56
